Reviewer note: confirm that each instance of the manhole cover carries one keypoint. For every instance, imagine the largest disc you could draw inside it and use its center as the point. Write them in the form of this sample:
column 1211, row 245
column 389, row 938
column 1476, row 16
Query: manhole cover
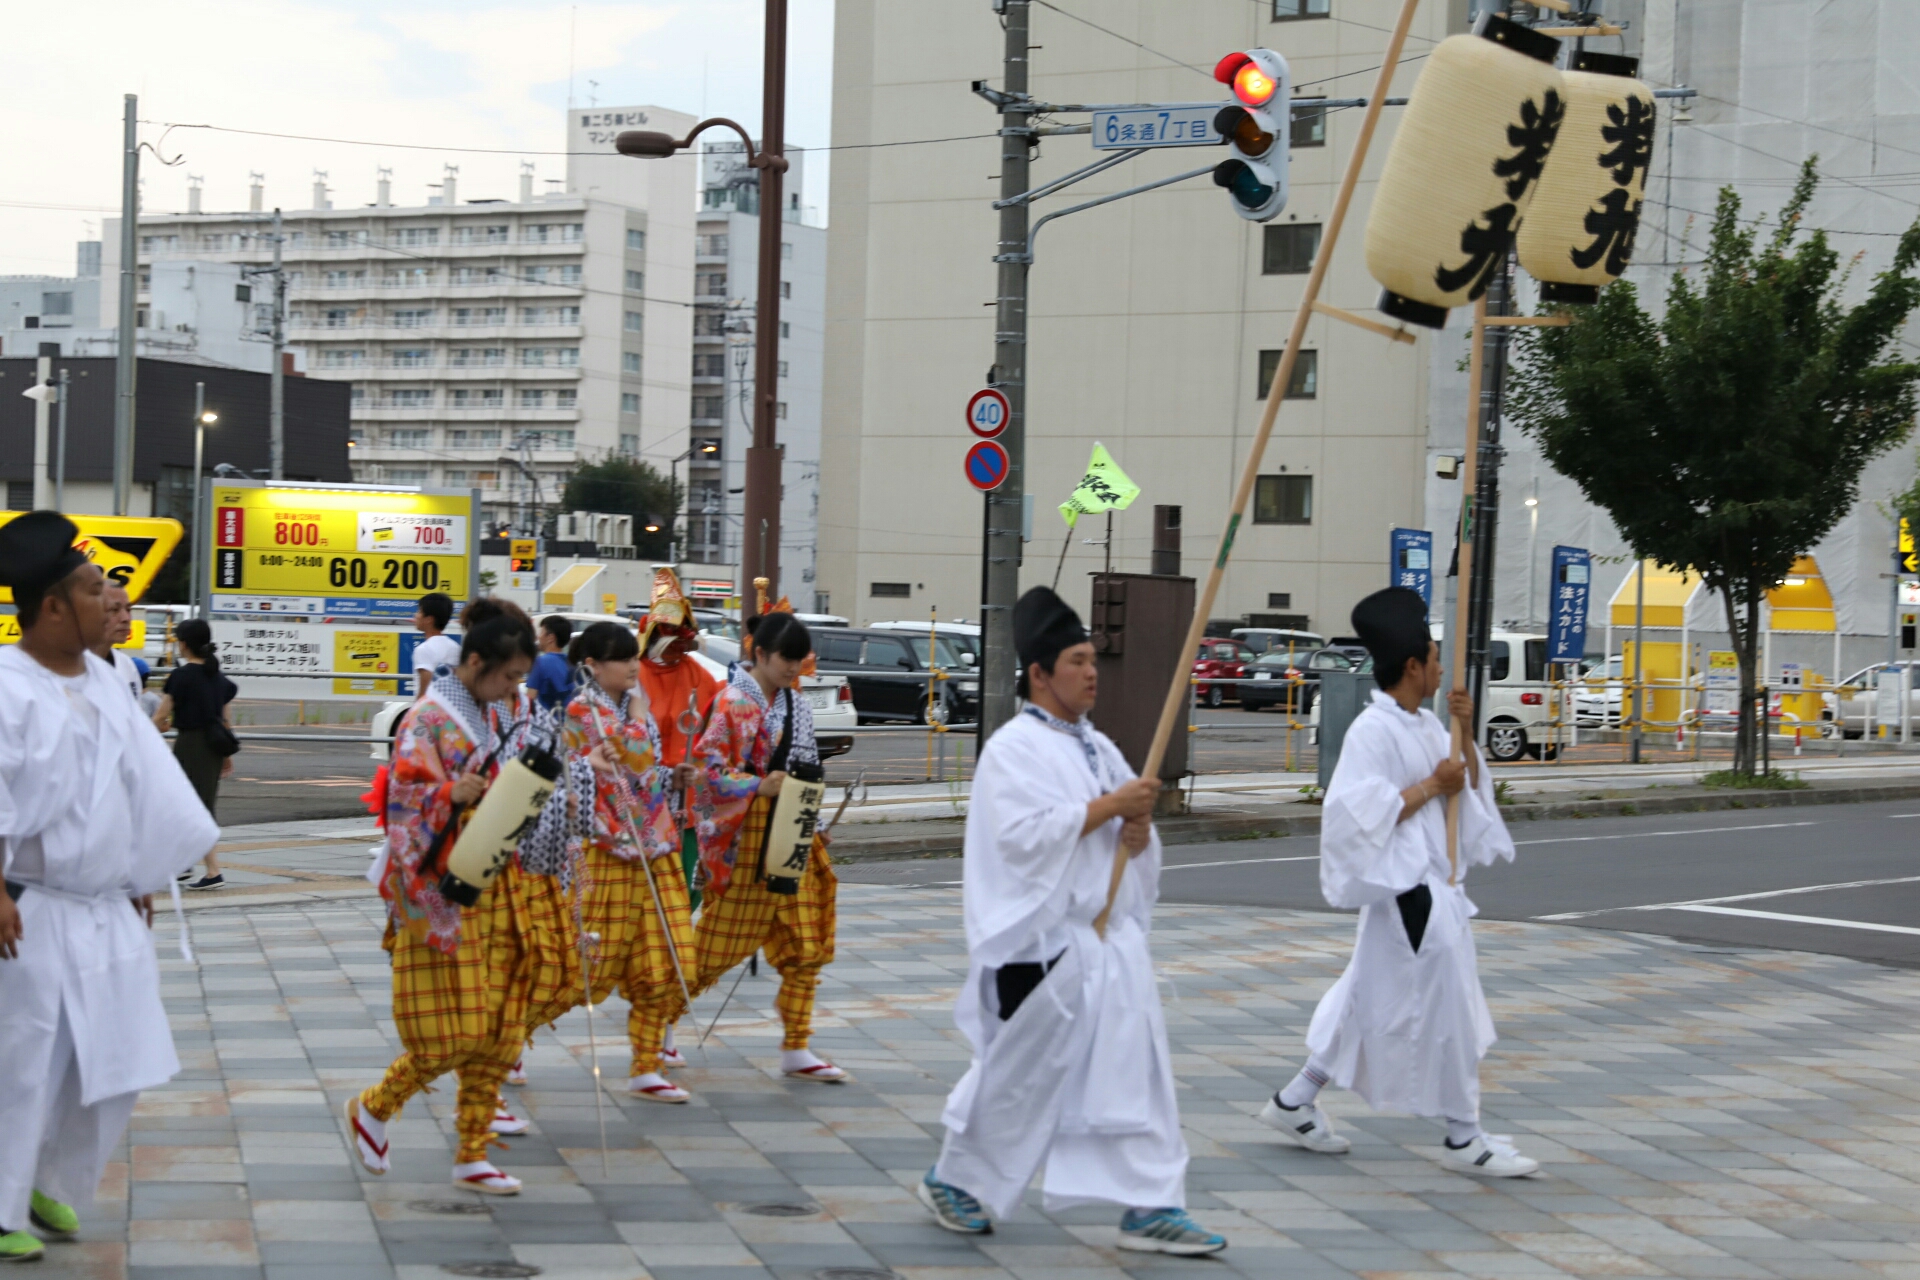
column 447, row 1206
column 493, row 1270
column 854, row 1273
column 785, row 1211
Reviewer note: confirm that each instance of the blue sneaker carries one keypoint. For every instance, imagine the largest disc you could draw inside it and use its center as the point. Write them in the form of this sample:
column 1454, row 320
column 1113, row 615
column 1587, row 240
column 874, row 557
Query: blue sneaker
column 1167, row 1231
column 953, row 1208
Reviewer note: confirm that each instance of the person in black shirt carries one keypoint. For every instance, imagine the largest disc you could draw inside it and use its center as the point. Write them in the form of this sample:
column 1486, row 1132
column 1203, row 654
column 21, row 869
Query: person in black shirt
column 194, row 701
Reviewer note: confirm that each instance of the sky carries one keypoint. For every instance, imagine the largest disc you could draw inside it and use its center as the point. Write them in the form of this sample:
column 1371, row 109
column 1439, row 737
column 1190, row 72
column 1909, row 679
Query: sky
column 434, row 73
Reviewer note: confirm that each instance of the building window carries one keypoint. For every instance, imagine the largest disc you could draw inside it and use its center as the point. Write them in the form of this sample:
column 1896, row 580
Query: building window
column 487, row 439
column 709, row 364
column 709, row 324
column 453, row 477
column 478, row 317
column 411, row 398
column 341, row 239
column 406, row 475
column 535, row 275
column 480, row 235
column 1283, row 500
column 1288, row 249
column 786, row 288
column 711, row 246
column 1309, row 127
column 780, row 409
column 570, row 274
column 632, row 324
column 786, row 330
column 408, row 278
column 636, row 282
column 418, row 235
column 533, row 398
column 630, row 402
column 636, row 240
column 629, row 362
column 1279, row 600
column 345, row 358
column 783, row 368
column 629, row 442
column 468, row 277
column 709, row 407
column 567, row 357
column 566, row 399
column 409, row 439
column 891, row 590
column 412, row 319
column 711, row 284
column 1306, row 375
column 412, row 358
column 786, row 250
column 1291, row 10
column 478, row 357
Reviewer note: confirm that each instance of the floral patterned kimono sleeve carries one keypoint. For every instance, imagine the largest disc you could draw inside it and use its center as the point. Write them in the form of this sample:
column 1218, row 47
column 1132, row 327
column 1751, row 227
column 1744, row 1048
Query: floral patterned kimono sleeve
column 728, row 759
column 434, row 749
column 636, row 746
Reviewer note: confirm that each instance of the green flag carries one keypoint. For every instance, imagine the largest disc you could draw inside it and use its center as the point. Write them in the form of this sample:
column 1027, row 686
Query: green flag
column 1105, row 487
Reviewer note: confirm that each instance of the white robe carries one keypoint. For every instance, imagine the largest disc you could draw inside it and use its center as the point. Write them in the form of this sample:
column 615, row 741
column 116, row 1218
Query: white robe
column 1080, row 1078
column 1405, row 1031
column 90, row 815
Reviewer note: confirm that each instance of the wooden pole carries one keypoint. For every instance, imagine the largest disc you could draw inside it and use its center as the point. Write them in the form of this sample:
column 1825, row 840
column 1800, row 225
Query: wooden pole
column 1276, row 392
column 1463, row 596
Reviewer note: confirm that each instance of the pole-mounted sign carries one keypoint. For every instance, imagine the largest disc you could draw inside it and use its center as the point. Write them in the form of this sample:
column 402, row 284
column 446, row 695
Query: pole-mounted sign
column 987, row 413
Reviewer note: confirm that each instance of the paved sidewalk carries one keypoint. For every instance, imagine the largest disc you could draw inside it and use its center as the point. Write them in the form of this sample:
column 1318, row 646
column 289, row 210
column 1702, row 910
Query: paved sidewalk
column 1699, row 1112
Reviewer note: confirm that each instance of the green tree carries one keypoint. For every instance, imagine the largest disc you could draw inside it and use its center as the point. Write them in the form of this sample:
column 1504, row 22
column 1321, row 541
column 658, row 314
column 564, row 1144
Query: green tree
column 626, row 486
column 1729, row 435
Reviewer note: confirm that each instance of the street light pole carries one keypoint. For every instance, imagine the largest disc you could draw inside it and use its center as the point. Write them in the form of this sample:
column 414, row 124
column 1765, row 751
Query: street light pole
column 127, row 353
column 60, row 445
column 201, row 421
column 763, row 456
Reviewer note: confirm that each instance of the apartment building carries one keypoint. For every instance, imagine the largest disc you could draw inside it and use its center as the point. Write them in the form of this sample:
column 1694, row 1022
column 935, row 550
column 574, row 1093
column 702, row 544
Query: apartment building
column 1155, row 321
column 492, row 343
column 726, row 284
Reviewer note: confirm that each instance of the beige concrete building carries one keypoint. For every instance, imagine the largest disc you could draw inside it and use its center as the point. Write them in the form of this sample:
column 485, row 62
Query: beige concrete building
column 1150, row 321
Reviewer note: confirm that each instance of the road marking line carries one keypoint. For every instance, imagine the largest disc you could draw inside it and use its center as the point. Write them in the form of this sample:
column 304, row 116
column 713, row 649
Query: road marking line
column 1233, row 862
column 1785, row 918
column 1736, row 897
column 1904, row 815
column 1691, row 831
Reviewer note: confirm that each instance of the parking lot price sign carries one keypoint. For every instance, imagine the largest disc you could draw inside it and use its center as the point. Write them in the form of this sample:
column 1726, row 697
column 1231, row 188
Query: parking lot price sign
column 1569, row 588
column 371, row 553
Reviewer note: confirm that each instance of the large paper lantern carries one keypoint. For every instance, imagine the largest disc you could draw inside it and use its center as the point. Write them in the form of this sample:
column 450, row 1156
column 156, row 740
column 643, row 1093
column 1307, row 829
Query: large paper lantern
column 1578, row 234
column 1463, row 168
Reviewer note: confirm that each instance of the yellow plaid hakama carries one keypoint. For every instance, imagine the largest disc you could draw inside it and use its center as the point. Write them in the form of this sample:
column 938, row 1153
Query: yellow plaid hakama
column 795, row 930
column 465, row 1012
column 549, row 972
column 648, row 980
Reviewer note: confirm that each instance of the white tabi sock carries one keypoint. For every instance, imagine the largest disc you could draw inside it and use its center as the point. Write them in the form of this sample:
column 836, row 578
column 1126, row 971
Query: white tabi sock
column 1462, row 1132
column 666, row 1045
column 1303, row 1088
column 800, row 1059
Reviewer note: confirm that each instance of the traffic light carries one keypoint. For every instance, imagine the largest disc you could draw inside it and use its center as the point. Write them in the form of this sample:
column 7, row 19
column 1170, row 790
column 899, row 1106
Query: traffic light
column 1256, row 127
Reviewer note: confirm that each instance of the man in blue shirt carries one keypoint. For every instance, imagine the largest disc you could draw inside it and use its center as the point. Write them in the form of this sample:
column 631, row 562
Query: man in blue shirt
column 552, row 676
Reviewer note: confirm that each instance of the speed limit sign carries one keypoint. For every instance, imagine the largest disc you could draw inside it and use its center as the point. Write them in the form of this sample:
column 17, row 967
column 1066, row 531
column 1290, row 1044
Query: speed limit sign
column 988, row 413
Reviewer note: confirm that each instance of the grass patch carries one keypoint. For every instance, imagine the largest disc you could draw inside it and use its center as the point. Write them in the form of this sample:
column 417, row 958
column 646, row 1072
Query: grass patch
column 1727, row 778
column 1503, row 793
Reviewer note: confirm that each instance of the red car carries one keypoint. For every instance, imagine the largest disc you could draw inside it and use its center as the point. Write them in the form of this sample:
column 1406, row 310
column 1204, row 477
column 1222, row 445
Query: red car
column 1218, row 670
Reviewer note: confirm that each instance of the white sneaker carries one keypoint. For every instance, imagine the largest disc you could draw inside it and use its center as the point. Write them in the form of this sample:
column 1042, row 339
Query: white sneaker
column 504, row 1121
column 481, row 1176
column 1490, row 1155
column 1306, row 1124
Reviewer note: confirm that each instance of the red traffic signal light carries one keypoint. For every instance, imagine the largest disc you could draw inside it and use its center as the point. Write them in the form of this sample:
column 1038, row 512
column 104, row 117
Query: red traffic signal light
column 1254, row 126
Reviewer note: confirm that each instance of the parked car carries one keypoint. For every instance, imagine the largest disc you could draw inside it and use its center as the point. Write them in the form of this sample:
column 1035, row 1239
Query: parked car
column 1278, row 639
column 1515, row 715
column 1601, row 696
column 1276, row 680
column 890, row 672
column 963, row 636
column 1850, row 711
column 1218, row 669
column 713, row 622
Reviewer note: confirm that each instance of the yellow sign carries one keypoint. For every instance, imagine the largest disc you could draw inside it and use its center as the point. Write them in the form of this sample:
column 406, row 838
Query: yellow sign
column 609, row 602
column 370, row 652
column 130, row 549
column 1105, row 487
column 10, row 633
column 1909, row 562
column 1722, row 660
column 288, row 546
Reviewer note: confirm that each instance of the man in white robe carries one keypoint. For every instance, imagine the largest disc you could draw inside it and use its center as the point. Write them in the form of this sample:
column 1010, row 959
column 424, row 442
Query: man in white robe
column 1406, row 1025
column 1071, row 1069
column 95, row 816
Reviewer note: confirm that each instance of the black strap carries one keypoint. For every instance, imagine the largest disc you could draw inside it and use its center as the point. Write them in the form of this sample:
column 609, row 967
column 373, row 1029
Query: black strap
column 1416, row 904
column 1013, row 983
column 778, row 760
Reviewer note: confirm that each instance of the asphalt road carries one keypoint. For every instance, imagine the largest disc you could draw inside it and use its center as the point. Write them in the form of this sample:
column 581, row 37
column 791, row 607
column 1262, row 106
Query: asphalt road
column 1838, row 879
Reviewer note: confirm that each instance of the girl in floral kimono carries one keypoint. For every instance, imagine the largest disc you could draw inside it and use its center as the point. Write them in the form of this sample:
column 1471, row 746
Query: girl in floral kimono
column 758, row 727
column 458, row 1002
column 631, row 835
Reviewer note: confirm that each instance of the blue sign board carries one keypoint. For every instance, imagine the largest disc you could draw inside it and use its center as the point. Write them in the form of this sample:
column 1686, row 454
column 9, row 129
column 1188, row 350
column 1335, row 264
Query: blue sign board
column 1567, row 598
column 1177, row 126
column 1412, row 562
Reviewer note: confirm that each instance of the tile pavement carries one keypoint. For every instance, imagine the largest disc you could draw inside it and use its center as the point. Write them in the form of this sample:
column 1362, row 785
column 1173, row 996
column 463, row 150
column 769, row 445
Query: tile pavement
column 1700, row 1113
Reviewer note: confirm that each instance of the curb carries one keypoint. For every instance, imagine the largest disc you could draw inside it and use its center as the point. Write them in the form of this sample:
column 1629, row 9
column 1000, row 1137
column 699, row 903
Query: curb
column 1276, row 825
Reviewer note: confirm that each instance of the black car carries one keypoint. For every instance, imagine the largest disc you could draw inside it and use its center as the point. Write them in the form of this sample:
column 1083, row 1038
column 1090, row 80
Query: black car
column 889, row 674
column 1267, row 683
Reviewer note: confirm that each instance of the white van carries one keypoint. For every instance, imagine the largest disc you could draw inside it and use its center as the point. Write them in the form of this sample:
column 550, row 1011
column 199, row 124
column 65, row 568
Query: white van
column 1517, row 707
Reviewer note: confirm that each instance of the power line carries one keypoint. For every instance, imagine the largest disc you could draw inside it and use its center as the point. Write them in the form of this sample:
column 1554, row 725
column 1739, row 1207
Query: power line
column 1048, row 4
column 1808, row 124
column 512, row 151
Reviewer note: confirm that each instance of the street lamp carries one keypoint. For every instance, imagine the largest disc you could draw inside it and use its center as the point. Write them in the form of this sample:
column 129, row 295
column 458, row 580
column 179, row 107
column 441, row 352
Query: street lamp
column 1533, row 534
column 203, row 418
column 673, row 479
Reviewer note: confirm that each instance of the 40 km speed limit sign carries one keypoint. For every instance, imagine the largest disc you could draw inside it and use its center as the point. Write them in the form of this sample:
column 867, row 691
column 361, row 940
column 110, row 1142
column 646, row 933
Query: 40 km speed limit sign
column 988, row 413
column 337, row 552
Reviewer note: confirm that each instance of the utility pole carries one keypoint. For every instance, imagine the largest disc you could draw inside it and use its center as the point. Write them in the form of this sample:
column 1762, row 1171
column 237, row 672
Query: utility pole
column 1486, row 494
column 125, row 353
column 277, row 405
column 1001, row 521
column 763, row 456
